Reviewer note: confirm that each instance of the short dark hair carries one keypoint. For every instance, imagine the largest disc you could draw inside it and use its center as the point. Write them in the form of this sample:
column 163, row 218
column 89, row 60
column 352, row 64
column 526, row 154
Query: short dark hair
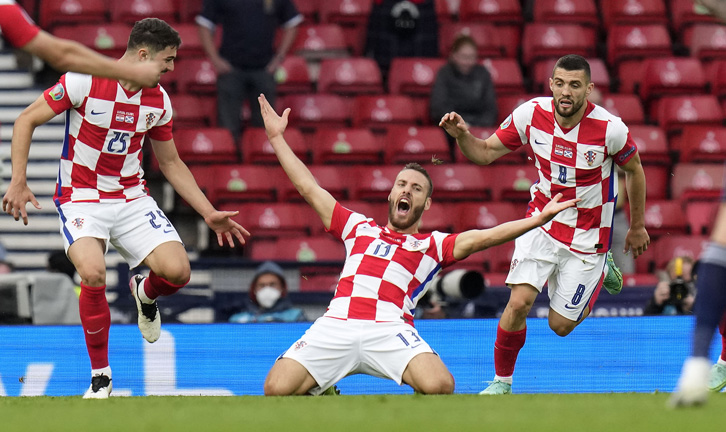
column 573, row 62
column 417, row 167
column 461, row 40
column 154, row 34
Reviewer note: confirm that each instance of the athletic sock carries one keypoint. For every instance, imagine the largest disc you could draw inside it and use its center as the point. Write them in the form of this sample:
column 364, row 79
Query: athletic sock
column 96, row 320
column 155, row 286
column 722, row 330
column 103, row 371
column 711, row 299
column 506, row 349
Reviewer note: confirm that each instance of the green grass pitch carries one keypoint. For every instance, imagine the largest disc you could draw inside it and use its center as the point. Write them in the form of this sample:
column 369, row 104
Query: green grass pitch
column 617, row 412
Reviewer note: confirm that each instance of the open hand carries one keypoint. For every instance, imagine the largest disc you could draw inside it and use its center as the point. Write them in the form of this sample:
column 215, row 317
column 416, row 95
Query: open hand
column 555, row 206
column 453, row 124
column 274, row 124
column 221, row 222
column 15, row 199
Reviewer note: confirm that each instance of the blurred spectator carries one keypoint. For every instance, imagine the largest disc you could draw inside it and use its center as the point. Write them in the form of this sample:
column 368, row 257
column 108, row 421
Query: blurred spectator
column 246, row 61
column 674, row 294
column 464, row 86
column 399, row 28
column 268, row 300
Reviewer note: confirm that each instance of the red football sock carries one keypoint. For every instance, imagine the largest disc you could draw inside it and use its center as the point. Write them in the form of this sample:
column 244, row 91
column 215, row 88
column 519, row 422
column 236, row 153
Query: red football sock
column 96, row 320
column 156, row 286
column 506, row 349
column 722, row 329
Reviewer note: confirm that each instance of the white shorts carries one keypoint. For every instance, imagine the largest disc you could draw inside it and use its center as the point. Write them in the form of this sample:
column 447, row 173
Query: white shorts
column 332, row 349
column 572, row 277
column 134, row 228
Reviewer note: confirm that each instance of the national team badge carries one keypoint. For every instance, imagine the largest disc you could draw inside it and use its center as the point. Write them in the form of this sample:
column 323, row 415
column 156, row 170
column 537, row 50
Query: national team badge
column 514, row 264
column 150, row 117
column 300, row 345
column 77, row 222
column 124, row 117
column 590, row 157
column 57, row 92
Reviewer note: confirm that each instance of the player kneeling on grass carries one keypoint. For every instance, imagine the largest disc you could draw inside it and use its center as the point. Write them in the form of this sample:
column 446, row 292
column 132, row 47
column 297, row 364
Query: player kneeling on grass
column 368, row 327
column 101, row 194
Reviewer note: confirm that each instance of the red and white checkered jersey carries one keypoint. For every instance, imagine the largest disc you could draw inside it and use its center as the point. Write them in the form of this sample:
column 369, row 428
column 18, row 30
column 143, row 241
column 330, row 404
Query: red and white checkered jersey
column 385, row 273
column 576, row 162
column 15, row 25
column 105, row 129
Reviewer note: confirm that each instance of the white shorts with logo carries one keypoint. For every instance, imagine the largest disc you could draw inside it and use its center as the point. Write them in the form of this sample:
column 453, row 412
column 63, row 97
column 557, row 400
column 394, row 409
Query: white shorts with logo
column 135, row 228
column 332, row 349
column 572, row 277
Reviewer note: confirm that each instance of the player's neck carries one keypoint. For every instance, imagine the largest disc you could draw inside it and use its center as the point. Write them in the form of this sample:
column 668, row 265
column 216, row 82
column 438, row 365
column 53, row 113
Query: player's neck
column 129, row 86
column 572, row 121
column 413, row 229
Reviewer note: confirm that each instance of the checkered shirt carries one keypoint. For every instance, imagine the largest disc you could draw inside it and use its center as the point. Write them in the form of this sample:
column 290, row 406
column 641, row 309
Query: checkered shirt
column 577, row 163
column 15, row 25
column 385, row 273
column 105, row 129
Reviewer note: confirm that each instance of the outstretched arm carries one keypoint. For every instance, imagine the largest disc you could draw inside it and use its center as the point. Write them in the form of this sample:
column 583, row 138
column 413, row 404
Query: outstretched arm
column 472, row 241
column 637, row 238
column 182, row 180
column 479, row 151
column 318, row 198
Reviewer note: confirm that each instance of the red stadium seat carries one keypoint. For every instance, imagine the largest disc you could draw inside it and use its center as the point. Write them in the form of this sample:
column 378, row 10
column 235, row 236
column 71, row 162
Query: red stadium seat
column 438, row 218
column 383, row 111
column 683, row 15
column 256, row 148
column 626, row 42
column 461, row 182
column 318, row 41
column 209, row 145
column 543, row 72
column 582, row 12
column 310, row 111
column 405, row 144
column 630, row 75
column 706, row 41
column 716, row 76
column 191, row 44
column 702, row 144
column 192, row 111
column 675, row 112
column 350, row 76
column 293, row 76
column 189, row 9
column 310, row 9
column 626, row 106
column 671, row 75
column 345, row 12
column 446, row 10
column 512, row 182
column 276, row 219
column 658, row 178
column 634, row 12
column 335, row 179
column 345, row 145
column 541, row 41
column 691, row 181
column 506, row 75
column 303, row 249
column 701, row 216
column 134, row 10
column 247, row 183
column 196, row 76
column 109, row 39
column 486, row 215
column 664, row 217
column 668, row 247
column 54, row 12
column 413, row 76
column 484, row 34
column 652, row 144
column 378, row 211
column 374, row 183
column 491, row 11
column 319, row 282
column 507, row 103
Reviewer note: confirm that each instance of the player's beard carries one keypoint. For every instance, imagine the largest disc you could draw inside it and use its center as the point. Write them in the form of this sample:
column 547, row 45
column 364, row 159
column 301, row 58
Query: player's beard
column 413, row 216
column 573, row 109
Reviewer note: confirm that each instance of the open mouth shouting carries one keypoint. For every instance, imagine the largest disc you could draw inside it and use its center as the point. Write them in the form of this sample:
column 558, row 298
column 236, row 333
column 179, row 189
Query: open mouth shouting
column 403, row 207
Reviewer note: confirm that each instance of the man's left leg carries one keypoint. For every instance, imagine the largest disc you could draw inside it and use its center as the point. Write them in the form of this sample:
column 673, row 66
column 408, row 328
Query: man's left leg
column 427, row 374
column 717, row 380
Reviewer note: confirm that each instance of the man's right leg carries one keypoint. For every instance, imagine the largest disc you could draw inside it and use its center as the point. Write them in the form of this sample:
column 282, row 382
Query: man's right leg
column 717, row 380
column 511, row 335
column 230, row 93
column 288, row 377
column 87, row 255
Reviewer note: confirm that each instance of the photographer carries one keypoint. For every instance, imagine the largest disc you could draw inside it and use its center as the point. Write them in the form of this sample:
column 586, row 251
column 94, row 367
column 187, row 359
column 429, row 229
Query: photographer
column 674, row 294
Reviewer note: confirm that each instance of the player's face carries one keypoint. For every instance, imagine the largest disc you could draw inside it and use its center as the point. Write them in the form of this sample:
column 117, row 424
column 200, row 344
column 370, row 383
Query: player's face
column 165, row 58
column 570, row 90
column 408, row 199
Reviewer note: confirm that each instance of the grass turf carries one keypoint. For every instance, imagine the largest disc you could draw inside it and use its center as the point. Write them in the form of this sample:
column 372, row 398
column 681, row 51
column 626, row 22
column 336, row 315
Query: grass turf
column 542, row 412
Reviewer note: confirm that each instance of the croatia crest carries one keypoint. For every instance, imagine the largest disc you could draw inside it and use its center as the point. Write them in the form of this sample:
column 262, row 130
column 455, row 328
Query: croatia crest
column 300, row 344
column 590, row 157
column 77, row 222
column 150, row 117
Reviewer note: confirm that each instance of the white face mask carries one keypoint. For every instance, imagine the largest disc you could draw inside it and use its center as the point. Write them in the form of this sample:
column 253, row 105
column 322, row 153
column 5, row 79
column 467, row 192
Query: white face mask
column 267, row 296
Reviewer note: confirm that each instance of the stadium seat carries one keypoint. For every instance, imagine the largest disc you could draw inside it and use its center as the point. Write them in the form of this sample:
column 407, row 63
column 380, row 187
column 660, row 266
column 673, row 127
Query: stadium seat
column 438, row 218
column 668, row 247
column 652, row 144
column 196, row 76
column 108, row 39
column 381, row 111
column 542, row 40
column 484, row 34
column 336, row 179
column 293, row 76
column 310, row 9
column 664, row 217
column 582, row 12
column 626, row 106
column 374, row 183
column 716, row 76
column 189, row 9
column 345, row 146
column 405, row 144
column 413, row 76
column 248, row 183
column 461, row 182
column 512, row 182
column 486, row 215
column 192, row 111
column 191, row 44
column 208, row 145
column 446, row 10
column 303, row 249
column 319, row 41
column 626, row 42
column 350, row 76
column 276, row 220
column 345, row 12
column 702, row 144
column 313, row 110
column 54, row 12
column 691, row 181
column 630, row 75
column 506, row 75
column 701, row 216
column 658, row 179
column 671, row 75
column 256, row 148
column 638, row 12
column 134, row 10
column 491, row 11
column 706, row 41
column 675, row 112
column 542, row 72
column 507, row 103
column 683, row 15
column 377, row 211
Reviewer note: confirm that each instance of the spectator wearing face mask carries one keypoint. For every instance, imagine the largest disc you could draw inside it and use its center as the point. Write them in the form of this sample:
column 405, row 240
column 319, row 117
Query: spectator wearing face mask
column 268, row 300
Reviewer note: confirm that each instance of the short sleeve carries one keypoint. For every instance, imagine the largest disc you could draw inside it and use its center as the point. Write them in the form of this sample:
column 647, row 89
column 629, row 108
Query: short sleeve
column 621, row 145
column 17, row 27
column 69, row 92
column 162, row 131
column 209, row 15
column 512, row 131
column 288, row 14
column 447, row 250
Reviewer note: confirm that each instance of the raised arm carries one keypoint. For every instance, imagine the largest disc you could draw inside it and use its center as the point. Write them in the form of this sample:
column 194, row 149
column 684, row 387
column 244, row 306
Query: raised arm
column 18, row 193
column 637, row 238
column 472, row 241
column 318, row 198
column 182, row 180
column 479, row 151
